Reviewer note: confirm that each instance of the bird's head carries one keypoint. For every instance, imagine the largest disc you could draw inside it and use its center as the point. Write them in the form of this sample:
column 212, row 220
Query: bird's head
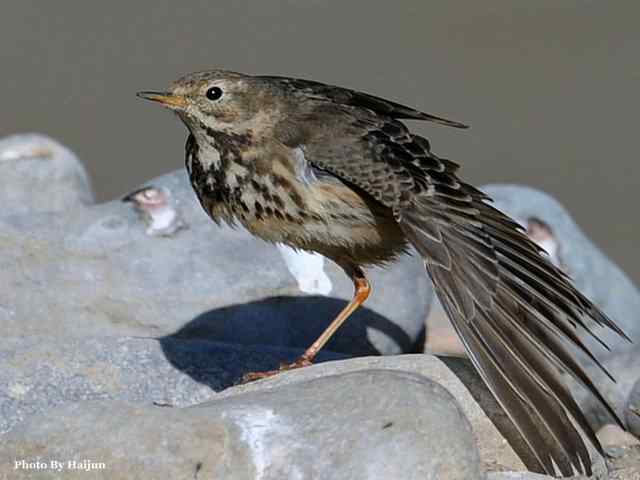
column 221, row 101
column 215, row 103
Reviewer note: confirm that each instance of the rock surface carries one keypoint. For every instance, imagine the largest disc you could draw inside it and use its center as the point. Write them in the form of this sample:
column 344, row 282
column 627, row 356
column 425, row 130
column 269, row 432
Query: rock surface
column 489, row 422
column 594, row 274
column 43, row 372
column 382, row 427
column 517, row 476
column 633, row 410
column 625, row 466
column 39, row 174
column 206, row 281
column 109, row 278
column 612, row 436
column 625, row 367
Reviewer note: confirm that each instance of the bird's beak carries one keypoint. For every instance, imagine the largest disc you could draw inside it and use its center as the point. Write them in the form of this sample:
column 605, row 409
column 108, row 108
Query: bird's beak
column 165, row 98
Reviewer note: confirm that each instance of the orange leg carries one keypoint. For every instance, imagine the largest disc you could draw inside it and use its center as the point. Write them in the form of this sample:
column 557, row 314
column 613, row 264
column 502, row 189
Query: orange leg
column 362, row 291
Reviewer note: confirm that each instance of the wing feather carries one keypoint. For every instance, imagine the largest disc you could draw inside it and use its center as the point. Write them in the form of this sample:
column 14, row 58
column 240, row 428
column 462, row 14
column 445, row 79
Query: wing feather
column 519, row 317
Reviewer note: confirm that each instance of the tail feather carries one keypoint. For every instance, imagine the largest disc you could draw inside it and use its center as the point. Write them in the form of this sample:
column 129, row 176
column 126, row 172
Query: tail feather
column 518, row 317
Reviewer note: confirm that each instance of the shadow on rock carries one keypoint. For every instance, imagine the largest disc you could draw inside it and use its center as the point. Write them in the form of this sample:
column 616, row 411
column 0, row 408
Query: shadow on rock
column 285, row 323
column 221, row 365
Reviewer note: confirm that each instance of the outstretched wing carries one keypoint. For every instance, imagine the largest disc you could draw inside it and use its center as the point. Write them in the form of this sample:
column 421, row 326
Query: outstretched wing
column 516, row 313
column 344, row 96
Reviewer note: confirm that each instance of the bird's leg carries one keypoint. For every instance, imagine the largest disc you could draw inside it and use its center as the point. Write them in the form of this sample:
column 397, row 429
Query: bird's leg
column 362, row 289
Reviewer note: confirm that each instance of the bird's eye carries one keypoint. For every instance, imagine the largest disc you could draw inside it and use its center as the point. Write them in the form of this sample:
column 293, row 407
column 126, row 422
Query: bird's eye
column 214, row 93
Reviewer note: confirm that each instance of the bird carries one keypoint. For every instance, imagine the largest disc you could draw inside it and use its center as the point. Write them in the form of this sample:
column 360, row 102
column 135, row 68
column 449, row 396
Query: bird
column 156, row 209
column 337, row 172
column 542, row 234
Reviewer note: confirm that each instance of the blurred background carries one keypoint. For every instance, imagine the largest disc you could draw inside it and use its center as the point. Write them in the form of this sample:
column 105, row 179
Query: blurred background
column 550, row 88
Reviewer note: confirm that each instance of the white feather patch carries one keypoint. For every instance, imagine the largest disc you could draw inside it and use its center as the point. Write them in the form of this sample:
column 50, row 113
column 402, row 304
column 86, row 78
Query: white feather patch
column 308, row 270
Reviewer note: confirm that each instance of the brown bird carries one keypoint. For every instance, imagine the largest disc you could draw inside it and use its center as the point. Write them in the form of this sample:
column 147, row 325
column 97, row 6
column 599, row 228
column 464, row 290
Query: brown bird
column 335, row 171
column 157, row 210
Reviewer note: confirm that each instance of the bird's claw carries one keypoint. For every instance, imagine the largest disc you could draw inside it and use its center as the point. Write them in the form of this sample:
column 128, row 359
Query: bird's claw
column 253, row 376
column 298, row 363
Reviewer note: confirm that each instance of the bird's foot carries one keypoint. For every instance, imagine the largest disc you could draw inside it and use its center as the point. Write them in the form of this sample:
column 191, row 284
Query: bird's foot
column 299, row 363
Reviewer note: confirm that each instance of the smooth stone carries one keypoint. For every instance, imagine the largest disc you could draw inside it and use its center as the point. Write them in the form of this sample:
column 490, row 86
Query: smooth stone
column 40, row 175
column 494, row 433
column 43, row 372
column 372, row 424
column 96, row 272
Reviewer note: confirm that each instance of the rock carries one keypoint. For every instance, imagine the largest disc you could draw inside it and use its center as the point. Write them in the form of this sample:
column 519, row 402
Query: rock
column 623, row 452
column 440, row 337
column 372, row 424
column 602, row 281
column 199, row 280
column 625, row 465
column 594, row 275
column 517, row 476
column 625, row 368
column 42, row 372
column 536, row 476
column 632, row 410
column 489, row 422
column 613, row 436
column 45, row 372
column 40, row 175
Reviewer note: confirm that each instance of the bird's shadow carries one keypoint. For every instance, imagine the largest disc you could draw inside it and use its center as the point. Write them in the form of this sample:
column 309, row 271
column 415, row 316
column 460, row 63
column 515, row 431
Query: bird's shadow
column 219, row 346
column 280, row 325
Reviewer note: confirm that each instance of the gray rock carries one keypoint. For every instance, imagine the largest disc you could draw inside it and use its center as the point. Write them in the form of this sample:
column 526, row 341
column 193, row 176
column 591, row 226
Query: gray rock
column 96, row 271
column 624, row 464
column 594, row 275
column 43, row 372
column 601, row 475
column 633, row 410
column 612, row 436
column 46, row 372
column 625, row 367
column 517, row 476
column 495, row 435
column 597, row 277
column 373, row 424
column 40, row 175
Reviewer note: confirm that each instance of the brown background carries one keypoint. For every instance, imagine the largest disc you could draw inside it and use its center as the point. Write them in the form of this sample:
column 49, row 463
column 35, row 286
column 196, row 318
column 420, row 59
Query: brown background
column 549, row 87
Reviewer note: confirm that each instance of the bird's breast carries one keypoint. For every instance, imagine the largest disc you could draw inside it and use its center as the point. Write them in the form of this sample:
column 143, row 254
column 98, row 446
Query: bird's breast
column 278, row 202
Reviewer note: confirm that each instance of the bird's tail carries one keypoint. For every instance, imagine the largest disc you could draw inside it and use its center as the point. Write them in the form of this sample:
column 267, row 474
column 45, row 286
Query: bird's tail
column 517, row 315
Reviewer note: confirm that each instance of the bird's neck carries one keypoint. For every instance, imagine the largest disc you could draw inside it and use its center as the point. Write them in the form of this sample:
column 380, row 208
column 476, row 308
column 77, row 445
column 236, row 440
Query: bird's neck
column 218, row 165
column 217, row 147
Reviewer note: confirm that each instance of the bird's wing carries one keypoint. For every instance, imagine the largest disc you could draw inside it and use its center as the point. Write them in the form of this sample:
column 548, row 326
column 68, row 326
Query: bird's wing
column 344, row 96
column 518, row 316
